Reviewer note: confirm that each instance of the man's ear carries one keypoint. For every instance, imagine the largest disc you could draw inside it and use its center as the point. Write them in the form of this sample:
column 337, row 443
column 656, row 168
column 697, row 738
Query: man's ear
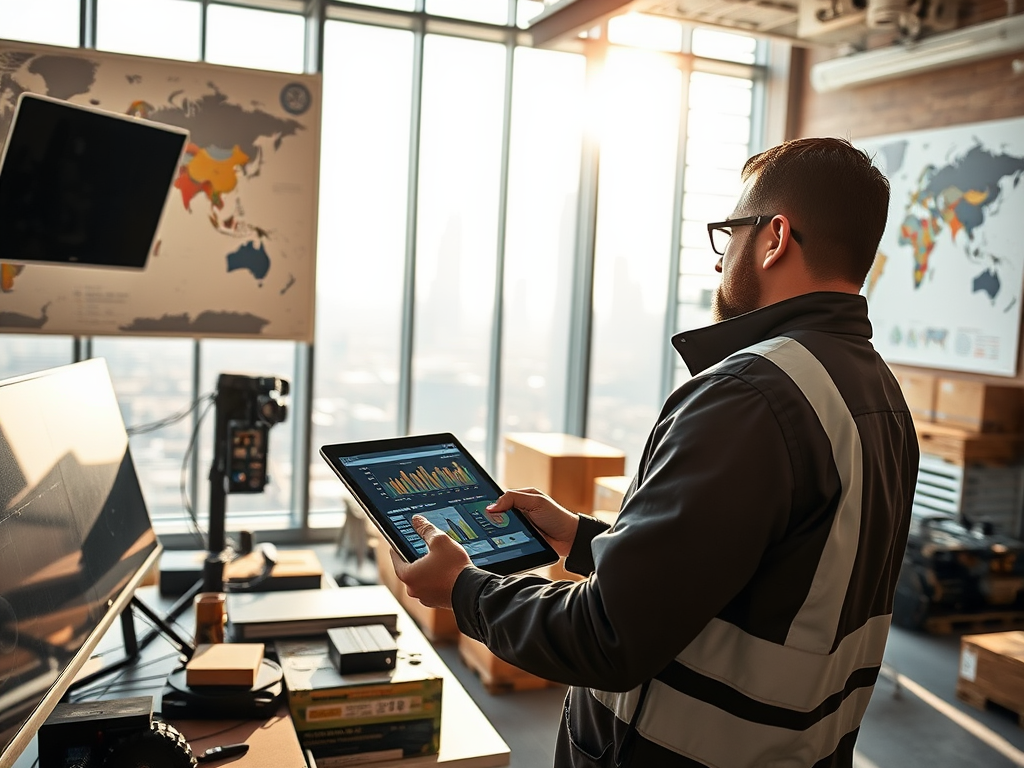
column 779, row 229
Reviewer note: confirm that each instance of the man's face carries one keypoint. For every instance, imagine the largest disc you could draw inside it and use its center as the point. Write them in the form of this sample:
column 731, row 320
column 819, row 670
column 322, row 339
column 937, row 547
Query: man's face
column 739, row 291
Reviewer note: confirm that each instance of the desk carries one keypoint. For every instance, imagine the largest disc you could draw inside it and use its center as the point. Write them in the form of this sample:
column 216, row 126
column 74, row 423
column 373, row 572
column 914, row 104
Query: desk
column 468, row 740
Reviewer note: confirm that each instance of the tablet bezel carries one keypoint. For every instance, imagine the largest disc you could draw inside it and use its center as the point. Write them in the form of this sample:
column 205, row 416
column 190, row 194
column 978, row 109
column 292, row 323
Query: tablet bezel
column 332, row 453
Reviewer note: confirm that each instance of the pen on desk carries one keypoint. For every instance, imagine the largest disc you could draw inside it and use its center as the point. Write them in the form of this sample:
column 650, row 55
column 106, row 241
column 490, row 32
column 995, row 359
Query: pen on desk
column 222, row 752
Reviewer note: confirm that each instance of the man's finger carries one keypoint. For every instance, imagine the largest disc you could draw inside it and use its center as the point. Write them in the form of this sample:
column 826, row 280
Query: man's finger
column 424, row 528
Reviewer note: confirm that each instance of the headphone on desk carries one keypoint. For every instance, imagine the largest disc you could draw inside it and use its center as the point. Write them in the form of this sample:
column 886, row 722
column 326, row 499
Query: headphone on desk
column 269, row 552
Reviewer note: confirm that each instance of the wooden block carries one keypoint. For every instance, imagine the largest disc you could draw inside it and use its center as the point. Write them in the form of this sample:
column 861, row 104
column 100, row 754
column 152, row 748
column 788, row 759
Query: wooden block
column 497, row 676
column 224, row 664
column 562, row 466
column 919, row 390
column 610, row 491
column 962, row 446
column 992, row 670
column 978, row 406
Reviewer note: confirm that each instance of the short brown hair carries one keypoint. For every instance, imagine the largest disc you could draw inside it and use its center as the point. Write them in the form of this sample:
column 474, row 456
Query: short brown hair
column 837, row 200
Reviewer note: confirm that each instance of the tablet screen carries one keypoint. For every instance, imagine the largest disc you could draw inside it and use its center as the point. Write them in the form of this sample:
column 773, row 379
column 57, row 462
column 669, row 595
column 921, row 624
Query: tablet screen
column 434, row 476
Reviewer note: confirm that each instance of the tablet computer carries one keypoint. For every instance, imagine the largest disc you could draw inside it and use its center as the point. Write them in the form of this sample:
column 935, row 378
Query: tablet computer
column 434, row 476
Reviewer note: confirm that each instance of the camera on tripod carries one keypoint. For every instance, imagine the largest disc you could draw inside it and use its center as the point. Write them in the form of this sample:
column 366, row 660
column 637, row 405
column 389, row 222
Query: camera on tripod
column 247, row 407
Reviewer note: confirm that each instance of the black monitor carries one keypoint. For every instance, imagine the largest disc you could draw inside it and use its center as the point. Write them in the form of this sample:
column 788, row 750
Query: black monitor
column 80, row 185
column 75, row 536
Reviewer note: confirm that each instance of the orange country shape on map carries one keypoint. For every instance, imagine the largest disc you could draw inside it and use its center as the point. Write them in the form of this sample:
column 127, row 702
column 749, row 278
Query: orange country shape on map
column 204, row 169
column 7, row 274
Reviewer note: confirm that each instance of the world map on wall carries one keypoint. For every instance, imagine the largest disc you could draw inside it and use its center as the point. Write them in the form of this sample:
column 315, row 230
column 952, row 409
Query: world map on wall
column 945, row 287
column 235, row 251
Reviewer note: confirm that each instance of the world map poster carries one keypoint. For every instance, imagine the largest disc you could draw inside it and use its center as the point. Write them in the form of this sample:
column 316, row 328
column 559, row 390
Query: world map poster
column 235, row 254
column 945, row 288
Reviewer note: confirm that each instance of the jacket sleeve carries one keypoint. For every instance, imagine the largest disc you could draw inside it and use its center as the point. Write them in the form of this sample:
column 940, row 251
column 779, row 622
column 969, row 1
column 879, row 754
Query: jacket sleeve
column 715, row 491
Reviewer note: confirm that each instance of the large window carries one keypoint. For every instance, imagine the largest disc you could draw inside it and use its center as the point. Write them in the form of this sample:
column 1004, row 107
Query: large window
column 364, row 189
column 457, row 235
column 548, row 105
column 639, row 97
column 471, row 191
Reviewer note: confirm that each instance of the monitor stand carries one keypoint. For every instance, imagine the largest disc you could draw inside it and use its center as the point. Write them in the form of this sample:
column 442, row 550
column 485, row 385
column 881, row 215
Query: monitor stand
column 133, row 645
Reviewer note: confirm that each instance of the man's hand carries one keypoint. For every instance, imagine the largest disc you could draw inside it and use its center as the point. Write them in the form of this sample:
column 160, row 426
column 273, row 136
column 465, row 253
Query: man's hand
column 432, row 578
column 557, row 523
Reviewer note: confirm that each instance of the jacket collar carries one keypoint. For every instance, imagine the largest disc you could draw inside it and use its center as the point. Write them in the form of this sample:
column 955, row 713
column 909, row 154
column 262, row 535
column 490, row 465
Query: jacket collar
column 830, row 312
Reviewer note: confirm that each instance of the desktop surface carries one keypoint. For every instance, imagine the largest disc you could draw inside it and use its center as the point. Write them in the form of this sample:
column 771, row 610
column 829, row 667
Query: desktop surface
column 468, row 740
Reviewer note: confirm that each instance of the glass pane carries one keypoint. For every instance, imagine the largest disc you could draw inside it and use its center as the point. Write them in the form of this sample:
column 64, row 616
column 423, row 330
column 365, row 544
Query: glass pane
column 720, row 93
column 715, row 154
column 716, row 44
column 271, row 508
column 28, row 353
column 642, row 31
column 457, row 236
column 639, row 108
column 153, row 381
column 364, row 184
column 716, row 150
column 547, row 105
column 167, row 29
column 491, row 11
column 732, row 129
column 244, row 37
column 55, row 22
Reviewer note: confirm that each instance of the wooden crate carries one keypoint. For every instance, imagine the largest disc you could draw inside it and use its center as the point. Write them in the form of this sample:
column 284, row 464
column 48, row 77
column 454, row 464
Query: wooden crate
column 609, row 492
column 976, row 622
column 977, row 406
column 919, row 390
column 962, row 446
column 556, row 572
column 437, row 624
column 992, row 670
column 562, row 466
column 496, row 675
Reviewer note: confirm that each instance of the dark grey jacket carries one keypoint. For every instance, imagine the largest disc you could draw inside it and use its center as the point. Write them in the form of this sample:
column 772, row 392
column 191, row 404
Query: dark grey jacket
column 737, row 611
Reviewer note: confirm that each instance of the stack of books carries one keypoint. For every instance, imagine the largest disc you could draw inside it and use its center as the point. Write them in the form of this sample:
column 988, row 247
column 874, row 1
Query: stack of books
column 368, row 716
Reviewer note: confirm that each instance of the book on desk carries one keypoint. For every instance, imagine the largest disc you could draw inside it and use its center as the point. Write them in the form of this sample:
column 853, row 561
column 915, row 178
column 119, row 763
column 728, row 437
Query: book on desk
column 254, row 616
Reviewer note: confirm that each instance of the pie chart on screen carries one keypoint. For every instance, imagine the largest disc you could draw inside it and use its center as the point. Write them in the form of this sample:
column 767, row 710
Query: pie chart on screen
column 500, row 519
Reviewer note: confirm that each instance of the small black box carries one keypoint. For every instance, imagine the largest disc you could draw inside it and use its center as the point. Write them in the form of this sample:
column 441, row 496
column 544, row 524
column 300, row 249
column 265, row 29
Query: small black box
column 365, row 648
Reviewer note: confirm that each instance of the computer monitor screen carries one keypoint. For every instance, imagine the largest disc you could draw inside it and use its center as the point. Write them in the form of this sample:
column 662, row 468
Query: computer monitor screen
column 80, row 185
column 75, row 536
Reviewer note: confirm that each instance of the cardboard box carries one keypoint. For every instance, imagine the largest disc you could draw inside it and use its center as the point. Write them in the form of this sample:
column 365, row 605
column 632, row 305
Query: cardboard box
column 977, row 406
column 992, row 670
column 919, row 390
column 562, row 466
column 609, row 492
column 338, row 714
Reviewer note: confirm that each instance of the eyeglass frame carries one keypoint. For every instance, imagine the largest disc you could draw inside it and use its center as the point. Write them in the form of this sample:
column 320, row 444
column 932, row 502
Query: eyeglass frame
column 743, row 221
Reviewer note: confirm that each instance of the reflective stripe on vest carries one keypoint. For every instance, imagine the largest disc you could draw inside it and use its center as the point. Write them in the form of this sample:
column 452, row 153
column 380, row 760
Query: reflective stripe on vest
column 801, row 674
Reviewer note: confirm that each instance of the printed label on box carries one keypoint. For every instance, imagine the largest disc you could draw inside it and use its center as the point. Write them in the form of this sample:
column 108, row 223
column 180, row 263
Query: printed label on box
column 362, row 709
column 969, row 665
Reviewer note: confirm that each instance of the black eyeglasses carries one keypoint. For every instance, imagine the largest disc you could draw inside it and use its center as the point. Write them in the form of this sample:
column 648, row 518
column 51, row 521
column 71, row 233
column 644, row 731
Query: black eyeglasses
column 721, row 231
